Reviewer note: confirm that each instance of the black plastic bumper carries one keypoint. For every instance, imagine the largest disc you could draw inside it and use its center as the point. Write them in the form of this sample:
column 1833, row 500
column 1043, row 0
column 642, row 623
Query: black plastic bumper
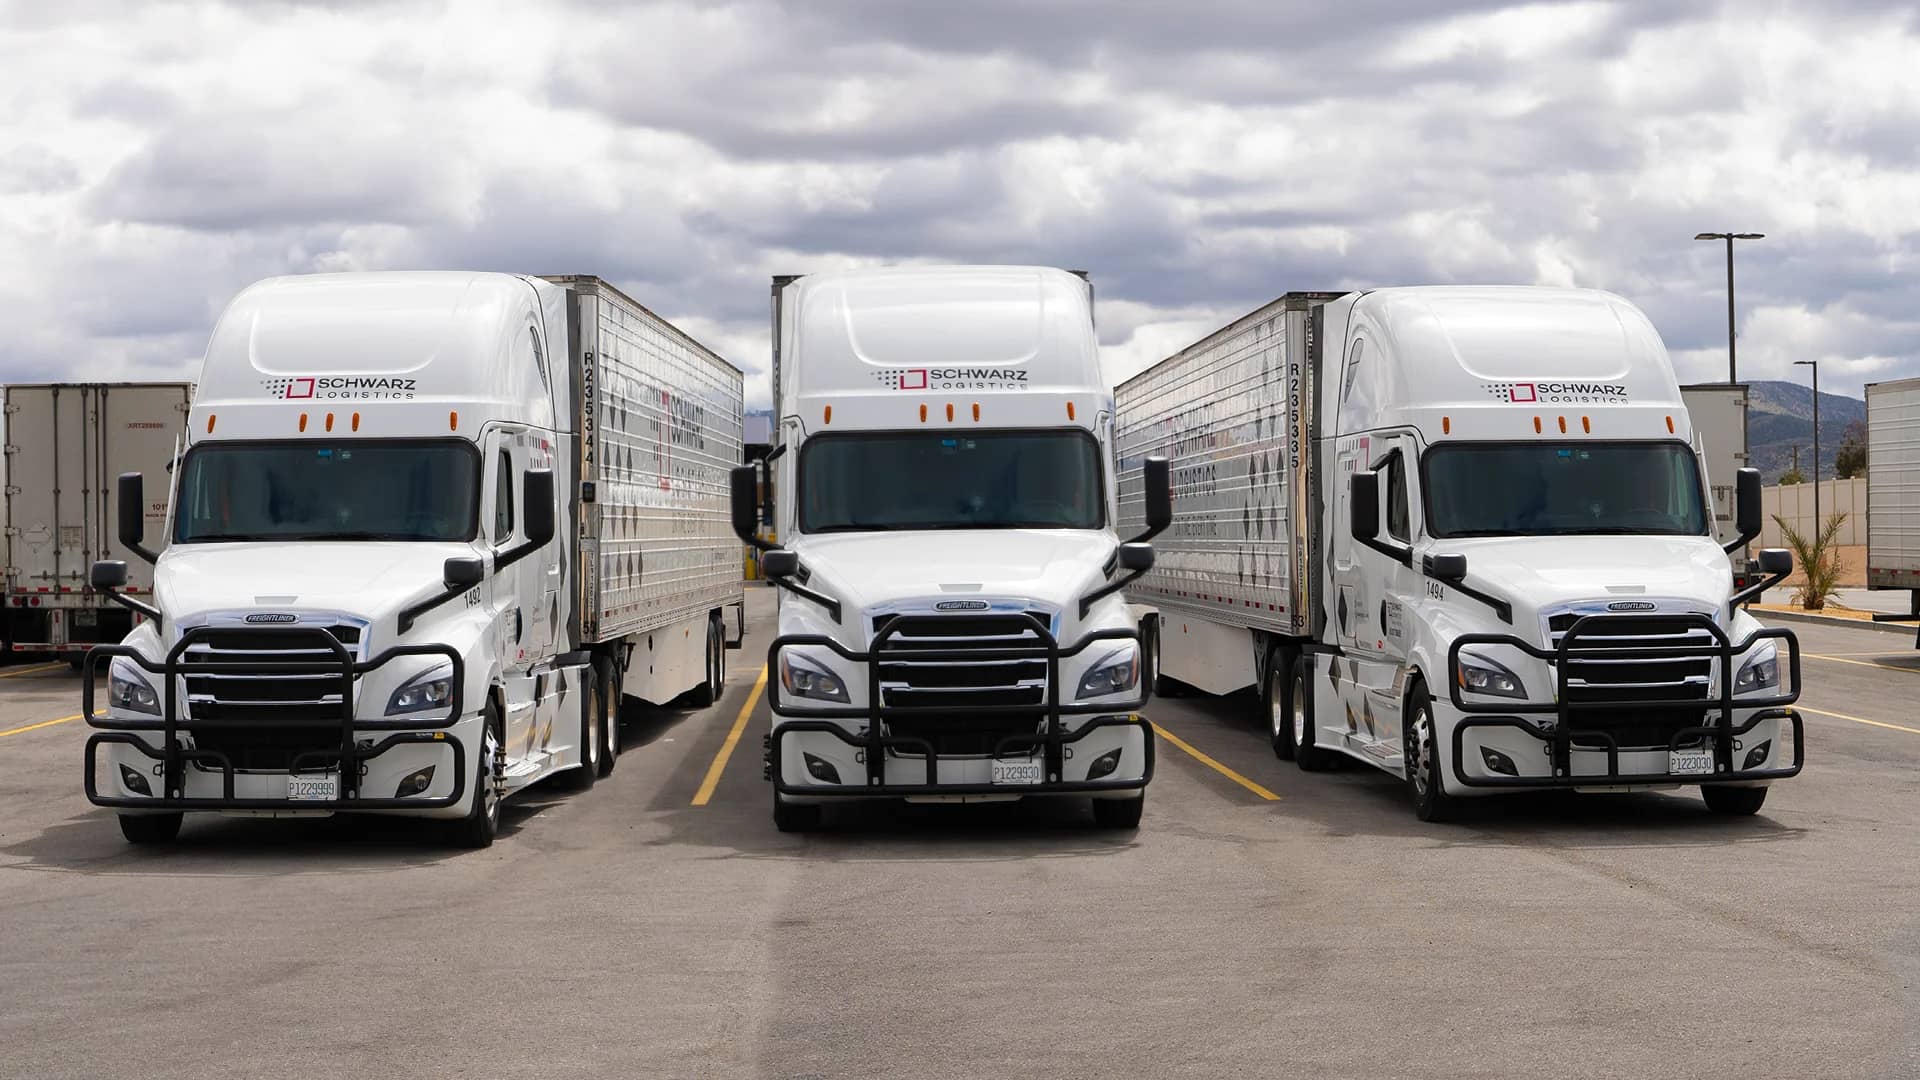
column 1587, row 639
column 347, row 759
column 1050, row 738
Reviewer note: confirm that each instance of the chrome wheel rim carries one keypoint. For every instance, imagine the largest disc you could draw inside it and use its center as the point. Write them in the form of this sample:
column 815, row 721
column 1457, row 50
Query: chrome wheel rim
column 1276, row 714
column 1299, row 712
column 489, row 769
column 593, row 727
column 1423, row 750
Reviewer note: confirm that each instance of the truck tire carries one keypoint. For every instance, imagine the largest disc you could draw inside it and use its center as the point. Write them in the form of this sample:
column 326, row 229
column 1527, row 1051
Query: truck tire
column 708, row 691
column 150, row 828
column 1730, row 801
column 1277, row 697
column 795, row 817
column 1305, row 754
column 1420, row 750
column 482, row 822
column 610, row 710
column 593, row 738
column 1119, row 813
column 1162, row 686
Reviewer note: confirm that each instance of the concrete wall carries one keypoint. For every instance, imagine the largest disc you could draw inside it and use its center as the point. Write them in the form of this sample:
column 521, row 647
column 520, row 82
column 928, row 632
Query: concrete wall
column 1795, row 503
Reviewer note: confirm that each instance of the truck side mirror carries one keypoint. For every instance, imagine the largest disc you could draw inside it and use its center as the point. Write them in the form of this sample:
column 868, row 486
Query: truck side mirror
column 536, row 495
column 779, row 562
column 1775, row 560
column 1136, row 558
column 743, row 487
column 1363, row 505
column 1158, row 477
column 107, row 575
column 464, row 572
column 1747, row 510
column 132, row 513
column 1451, row 567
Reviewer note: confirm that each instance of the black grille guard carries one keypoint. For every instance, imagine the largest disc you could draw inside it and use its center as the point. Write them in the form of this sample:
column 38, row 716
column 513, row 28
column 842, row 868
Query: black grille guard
column 1051, row 738
column 1720, row 731
column 347, row 758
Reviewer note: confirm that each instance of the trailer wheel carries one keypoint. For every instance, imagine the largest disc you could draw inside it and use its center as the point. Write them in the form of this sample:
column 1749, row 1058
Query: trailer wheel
column 1119, row 813
column 482, row 822
column 1305, row 754
column 1278, row 699
column 1420, row 751
column 593, row 739
column 1730, row 801
column 708, row 691
column 1162, row 686
column 795, row 817
column 610, row 713
column 150, row 828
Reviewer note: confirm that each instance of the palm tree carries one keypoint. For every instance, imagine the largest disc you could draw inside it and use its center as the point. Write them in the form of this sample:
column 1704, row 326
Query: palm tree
column 1818, row 559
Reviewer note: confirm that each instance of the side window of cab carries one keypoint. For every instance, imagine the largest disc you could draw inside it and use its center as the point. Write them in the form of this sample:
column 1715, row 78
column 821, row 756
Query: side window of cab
column 1399, row 520
column 503, row 499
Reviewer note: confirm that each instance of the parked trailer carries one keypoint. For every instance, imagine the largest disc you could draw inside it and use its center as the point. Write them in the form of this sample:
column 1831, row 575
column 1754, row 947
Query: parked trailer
column 417, row 559
column 65, row 444
column 1893, row 491
column 1460, row 534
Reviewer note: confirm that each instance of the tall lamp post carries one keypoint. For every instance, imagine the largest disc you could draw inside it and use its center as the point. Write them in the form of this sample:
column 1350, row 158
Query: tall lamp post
column 1730, row 237
column 1815, row 365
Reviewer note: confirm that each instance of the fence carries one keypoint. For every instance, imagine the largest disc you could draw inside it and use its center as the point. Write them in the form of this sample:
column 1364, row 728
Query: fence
column 1795, row 504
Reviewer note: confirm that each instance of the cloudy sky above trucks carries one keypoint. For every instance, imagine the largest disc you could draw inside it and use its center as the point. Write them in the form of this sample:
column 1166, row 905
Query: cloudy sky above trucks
column 1199, row 158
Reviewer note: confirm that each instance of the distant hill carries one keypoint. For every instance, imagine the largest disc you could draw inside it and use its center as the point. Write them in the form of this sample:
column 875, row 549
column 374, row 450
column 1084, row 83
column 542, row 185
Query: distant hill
column 1780, row 417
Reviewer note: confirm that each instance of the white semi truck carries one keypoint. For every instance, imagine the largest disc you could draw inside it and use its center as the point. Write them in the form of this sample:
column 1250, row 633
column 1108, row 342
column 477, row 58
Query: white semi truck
column 65, row 444
column 950, row 624
column 428, row 531
column 1462, row 535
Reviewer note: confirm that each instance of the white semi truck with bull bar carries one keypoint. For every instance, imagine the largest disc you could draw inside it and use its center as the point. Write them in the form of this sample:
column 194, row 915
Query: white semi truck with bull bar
column 1461, row 534
column 950, row 623
column 428, row 531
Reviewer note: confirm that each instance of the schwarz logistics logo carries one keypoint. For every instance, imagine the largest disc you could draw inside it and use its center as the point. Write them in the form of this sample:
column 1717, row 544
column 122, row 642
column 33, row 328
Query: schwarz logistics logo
column 340, row 388
column 953, row 378
column 1558, row 393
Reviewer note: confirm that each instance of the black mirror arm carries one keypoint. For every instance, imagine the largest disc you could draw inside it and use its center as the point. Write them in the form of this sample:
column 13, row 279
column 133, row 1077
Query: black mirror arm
column 133, row 605
column 1500, row 607
column 1753, row 591
column 1739, row 542
column 412, row 612
column 1111, row 587
column 826, row 603
column 1397, row 552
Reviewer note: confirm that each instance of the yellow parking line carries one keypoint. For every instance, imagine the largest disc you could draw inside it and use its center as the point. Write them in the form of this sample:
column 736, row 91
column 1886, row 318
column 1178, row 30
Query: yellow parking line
column 1215, row 765
column 31, row 670
column 38, row 726
column 733, row 739
column 1861, row 663
column 1855, row 719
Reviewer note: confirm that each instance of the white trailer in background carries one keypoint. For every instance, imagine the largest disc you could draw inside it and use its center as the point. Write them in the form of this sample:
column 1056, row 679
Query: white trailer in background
column 1893, row 491
column 1459, row 534
column 1719, row 415
column 429, row 529
column 65, row 443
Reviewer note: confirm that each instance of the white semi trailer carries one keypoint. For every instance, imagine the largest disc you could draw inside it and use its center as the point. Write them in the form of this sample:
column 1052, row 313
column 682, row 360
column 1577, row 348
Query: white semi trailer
column 951, row 628
column 65, row 444
column 428, row 530
column 1893, row 492
column 1460, row 534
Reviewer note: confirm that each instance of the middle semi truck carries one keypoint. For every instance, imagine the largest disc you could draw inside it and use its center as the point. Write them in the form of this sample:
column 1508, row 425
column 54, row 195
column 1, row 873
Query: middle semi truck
column 1464, row 535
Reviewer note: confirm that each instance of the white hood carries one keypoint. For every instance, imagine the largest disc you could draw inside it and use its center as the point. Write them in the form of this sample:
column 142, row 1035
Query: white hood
column 864, row 570
column 1540, row 572
column 370, row 580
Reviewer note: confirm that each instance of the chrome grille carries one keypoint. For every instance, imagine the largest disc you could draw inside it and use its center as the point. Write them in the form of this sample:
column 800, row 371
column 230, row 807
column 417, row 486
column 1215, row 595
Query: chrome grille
column 1675, row 688
column 961, row 684
column 276, row 698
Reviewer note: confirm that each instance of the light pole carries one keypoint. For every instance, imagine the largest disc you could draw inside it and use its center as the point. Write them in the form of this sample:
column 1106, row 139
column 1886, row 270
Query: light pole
column 1815, row 365
column 1730, row 237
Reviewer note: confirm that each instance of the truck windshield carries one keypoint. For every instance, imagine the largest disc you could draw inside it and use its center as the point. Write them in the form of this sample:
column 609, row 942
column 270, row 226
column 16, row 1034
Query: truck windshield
column 370, row 490
column 943, row 480
column 1558, row 489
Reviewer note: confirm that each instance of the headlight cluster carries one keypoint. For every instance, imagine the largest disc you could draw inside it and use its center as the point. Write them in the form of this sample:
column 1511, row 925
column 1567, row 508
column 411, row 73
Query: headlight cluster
column 804, row 678
column 432, row 690
column 1760, row 672
column 1479, row 675
column 129, row 692
column 1115, row 673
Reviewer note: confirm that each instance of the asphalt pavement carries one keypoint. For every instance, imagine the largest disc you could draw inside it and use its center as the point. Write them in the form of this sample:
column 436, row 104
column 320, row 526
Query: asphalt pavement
column 1261, row 922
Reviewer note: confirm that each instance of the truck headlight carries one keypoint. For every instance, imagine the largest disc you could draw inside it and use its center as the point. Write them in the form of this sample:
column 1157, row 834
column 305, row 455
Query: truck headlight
column 1478, row 675
column 804, row 678
column 1760, row 672
column 1115, row 673
column 432, row 690
column 129, row 692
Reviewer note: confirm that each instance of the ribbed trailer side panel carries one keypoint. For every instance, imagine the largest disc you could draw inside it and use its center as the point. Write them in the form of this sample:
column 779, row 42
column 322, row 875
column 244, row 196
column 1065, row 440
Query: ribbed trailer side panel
column 1893, row 485
column 663, row 431
column 1226, row 413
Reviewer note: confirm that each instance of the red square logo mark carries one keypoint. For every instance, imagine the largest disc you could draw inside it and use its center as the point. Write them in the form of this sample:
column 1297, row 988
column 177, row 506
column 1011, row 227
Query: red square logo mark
column 300, row 388
column 1522, row 391
column 915, row 379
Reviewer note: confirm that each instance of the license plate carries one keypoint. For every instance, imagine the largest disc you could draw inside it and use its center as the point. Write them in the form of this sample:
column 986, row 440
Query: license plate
column 1690, row 762
column 1016, row 772
column 313, row 787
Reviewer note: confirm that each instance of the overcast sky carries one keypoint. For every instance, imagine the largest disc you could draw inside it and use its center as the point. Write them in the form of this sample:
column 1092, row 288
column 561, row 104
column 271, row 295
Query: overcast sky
column 1197, row 157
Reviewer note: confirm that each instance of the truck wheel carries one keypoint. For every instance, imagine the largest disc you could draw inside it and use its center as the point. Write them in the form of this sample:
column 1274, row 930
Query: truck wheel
column 1119, row 813
column 795, row 817
column 1420, row 750
column 150, row 828
column 1305, row 754
column 593, row 739
column 1162, row 686
column 1720, row 800
column 708, row 691
column 1278, row 698
column 610, row 715
column 482, row 822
